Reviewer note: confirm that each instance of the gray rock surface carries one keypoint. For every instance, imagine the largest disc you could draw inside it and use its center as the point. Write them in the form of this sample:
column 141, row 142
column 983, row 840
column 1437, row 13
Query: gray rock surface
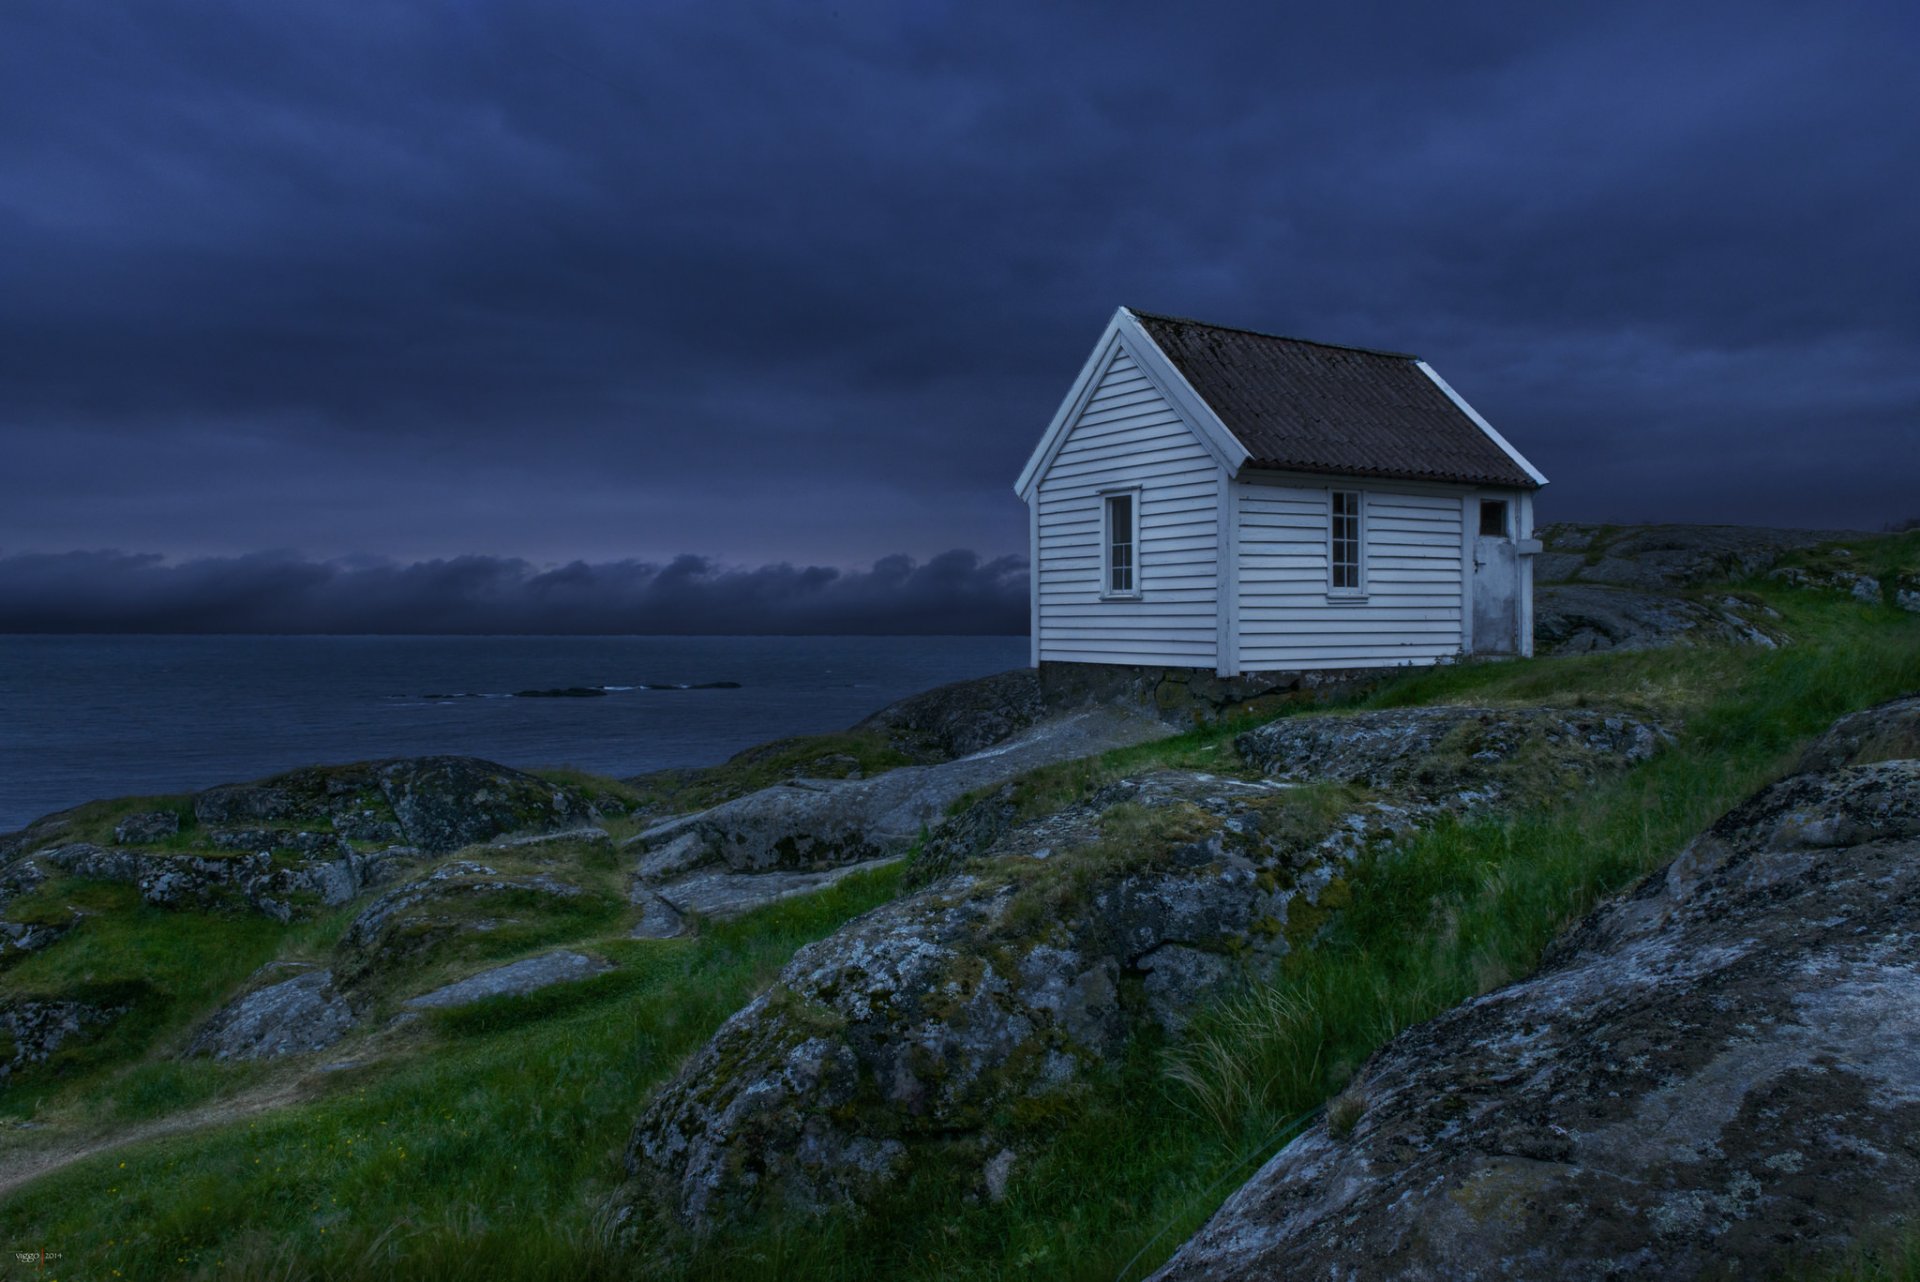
column 1714, row 1075
column 18, row 938
column 719, row 895
column 33, row 1029
column 1664, row 557
column 916, row 1032
column 1887, row 731
column 294, row 1016
column 416, row 917
column 814, row 827
column 513, row 979
column 1580, row 618
column 147, row 827
column 1460, row 756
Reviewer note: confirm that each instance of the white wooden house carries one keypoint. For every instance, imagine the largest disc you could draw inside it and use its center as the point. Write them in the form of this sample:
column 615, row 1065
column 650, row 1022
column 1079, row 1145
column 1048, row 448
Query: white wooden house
column 1210, row 497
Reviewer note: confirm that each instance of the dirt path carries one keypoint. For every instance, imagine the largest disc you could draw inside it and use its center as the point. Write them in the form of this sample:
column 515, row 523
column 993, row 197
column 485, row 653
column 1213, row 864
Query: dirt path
column 21, row 1166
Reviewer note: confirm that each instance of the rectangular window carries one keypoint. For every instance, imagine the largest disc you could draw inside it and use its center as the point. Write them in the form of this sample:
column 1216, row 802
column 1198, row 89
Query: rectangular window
column 1344, row 565
column 1493, row 518
column 1120, row 563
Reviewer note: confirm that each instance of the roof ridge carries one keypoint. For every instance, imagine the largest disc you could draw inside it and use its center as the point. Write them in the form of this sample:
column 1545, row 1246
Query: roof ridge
column 1261, row 333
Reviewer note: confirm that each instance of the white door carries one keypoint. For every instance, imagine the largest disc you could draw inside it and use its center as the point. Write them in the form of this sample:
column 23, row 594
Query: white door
column 1496, row 580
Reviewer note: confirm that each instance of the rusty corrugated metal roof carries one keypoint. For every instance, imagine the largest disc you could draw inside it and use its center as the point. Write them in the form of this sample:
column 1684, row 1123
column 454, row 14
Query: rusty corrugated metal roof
column 1316, row 407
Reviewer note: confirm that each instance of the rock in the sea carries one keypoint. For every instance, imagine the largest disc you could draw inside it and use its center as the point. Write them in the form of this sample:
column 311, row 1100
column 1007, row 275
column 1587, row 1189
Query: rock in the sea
column 147, row 827
column 1461, row 756
column 293, row 1016
column 513, row 979
column 1717, row 1074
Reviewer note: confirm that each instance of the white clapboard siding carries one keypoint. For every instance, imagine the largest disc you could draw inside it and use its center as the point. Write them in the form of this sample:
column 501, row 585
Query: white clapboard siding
column 1411, row 613
column 1127, row 434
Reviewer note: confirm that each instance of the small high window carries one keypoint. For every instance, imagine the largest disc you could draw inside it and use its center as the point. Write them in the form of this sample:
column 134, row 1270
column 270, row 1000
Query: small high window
column 1344, row 566
column 1493, row 518
column 1121, row 543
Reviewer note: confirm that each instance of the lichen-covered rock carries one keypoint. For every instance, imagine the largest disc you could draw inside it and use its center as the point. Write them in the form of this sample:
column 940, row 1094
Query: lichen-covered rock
column 173, row 880
column 18, row 938
column 527, row 975
column 32, row 1029
column 1887, row 731
column 293, row 1016
column 1461, row 756
column 1716, row 1074
column 1581, row 618
column 815, row 827
column 925, row 1026
column 147, row 827
column 260, row 882
column 436, row 804
column 444, row 803
column 1660, row 557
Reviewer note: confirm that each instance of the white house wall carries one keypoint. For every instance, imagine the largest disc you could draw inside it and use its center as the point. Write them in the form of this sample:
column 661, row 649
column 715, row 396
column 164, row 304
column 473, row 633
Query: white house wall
column 1127, row 434
column 1412, row 546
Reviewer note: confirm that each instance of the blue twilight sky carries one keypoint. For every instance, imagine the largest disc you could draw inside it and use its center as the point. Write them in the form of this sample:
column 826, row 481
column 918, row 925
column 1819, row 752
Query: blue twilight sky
column 381, row 283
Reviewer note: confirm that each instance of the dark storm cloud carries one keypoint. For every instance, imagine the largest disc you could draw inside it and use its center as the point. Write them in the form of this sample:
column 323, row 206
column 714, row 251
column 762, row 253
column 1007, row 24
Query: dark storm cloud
column 607, row 280
column 953, row 593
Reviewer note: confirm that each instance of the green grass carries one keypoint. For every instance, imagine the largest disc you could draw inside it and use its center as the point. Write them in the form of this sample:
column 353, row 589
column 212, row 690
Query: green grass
column 492, row 1149
column 489, row 1154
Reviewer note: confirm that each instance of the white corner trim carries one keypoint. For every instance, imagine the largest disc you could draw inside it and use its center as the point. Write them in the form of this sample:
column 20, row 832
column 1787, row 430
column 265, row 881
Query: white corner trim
column 1160, row 371
column 1472, row 413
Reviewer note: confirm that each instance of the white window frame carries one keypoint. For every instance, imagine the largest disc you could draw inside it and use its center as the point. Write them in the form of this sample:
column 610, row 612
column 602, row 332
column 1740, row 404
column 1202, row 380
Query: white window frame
column 1132, row 494
column 1357, row 592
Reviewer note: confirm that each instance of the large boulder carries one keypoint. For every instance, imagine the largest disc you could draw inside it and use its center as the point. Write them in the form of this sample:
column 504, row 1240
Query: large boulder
column 928, row 1029
column 1717, row 1074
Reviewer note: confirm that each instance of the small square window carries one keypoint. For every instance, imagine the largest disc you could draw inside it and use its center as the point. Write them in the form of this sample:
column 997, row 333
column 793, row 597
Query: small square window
column 1493, row 518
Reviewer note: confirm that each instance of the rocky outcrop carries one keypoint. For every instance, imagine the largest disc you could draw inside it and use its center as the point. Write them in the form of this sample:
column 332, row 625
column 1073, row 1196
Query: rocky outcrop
column 259, row 881
column 1717, row 1073
column 1657, row 558
column 435, row 804
column 147, row 828
column 1888, row 731
column 294, row 1016
column 928, row 1029
column 1581, row 618
column 514, row 979
column 803, row 830
column 453, row 901
column 33, row 1029
column 1455, row 756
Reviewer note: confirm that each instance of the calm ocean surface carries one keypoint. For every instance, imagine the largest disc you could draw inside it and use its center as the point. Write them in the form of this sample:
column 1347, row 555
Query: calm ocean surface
column 91, row 716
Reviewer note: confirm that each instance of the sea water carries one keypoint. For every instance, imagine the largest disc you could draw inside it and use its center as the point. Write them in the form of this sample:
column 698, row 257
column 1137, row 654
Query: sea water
column 84, row 717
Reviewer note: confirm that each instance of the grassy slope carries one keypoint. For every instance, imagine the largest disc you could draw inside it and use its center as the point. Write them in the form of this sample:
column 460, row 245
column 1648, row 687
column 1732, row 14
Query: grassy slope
column 488, row 1157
